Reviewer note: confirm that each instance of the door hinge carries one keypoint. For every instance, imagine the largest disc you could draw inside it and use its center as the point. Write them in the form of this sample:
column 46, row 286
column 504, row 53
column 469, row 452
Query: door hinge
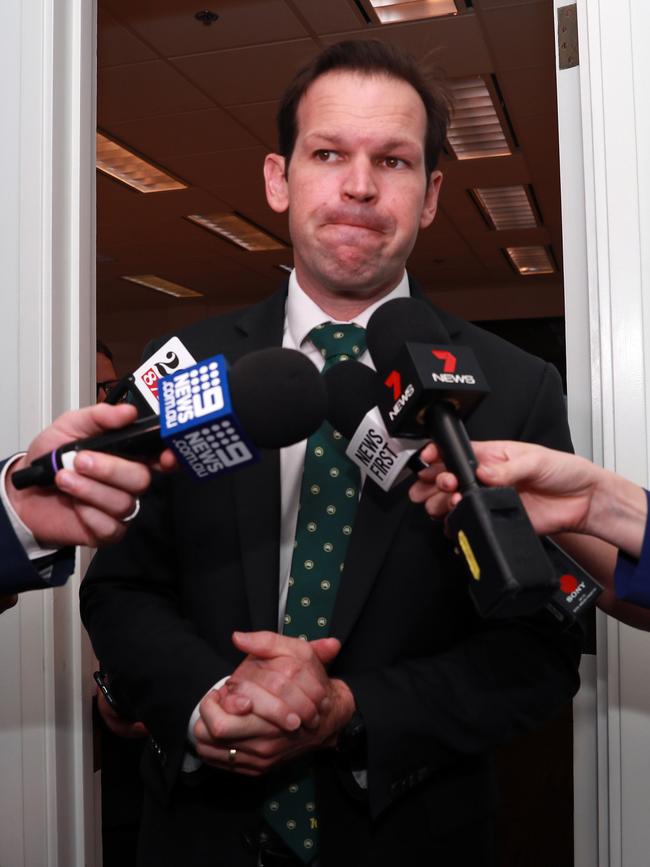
column 567, row 37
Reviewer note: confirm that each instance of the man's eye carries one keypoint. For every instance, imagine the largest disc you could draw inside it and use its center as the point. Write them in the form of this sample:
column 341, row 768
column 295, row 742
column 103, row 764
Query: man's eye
column 394, row 162
column 325, row 156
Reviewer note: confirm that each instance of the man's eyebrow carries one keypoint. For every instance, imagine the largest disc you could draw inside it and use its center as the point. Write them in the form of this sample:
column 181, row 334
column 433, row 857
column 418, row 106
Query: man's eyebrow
column 330, row 138
column 335, row 140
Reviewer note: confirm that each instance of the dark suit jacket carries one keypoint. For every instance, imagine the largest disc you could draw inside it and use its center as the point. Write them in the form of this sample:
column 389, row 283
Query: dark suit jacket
column 437, row 687
column 18, row 573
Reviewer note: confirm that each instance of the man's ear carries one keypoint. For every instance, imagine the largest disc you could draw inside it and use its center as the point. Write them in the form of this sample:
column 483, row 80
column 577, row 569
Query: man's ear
column 277, row 188
column 430, row 205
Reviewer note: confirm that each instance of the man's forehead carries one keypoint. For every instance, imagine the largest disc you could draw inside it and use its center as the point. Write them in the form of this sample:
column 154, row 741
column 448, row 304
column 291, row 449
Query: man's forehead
column 334, row 98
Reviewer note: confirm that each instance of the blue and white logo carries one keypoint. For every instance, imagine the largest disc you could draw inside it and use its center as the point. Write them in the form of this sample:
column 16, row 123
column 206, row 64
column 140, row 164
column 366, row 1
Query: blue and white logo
column 198, row 421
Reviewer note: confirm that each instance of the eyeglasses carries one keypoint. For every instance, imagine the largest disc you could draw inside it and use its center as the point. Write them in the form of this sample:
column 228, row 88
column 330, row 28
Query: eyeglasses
column 106, row 386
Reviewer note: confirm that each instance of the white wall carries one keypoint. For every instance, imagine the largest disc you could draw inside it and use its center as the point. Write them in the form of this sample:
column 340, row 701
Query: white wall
column 46, row 337
column 607, row 329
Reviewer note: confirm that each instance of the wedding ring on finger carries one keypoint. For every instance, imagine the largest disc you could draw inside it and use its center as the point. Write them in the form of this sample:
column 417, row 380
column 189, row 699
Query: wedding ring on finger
column 232, row 755
column 135, row 511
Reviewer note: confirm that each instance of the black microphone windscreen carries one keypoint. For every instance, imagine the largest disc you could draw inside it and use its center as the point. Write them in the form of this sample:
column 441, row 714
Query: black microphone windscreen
column 278, row 396
column 353, row 389
column 400, row 321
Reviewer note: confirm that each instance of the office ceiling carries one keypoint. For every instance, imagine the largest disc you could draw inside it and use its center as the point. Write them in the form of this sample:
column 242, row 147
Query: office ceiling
column 200, row 101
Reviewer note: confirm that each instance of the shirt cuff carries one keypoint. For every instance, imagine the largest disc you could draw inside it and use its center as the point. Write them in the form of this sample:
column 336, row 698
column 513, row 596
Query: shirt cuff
column 24, row 535
column 631, row 576
column 191, row 762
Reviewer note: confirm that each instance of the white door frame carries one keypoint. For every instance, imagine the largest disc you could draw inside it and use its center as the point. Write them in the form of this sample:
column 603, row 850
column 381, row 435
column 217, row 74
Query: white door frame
column 47, row 330
column 607, row 286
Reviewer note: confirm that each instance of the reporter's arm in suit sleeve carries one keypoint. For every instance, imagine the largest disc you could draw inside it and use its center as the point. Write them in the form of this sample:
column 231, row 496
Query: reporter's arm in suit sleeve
column 496, row 679
column 18, row 572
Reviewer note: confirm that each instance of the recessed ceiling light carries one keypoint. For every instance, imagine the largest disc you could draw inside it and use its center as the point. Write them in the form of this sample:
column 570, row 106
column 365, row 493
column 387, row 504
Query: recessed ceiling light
column 531, row 261
column 475, row 130
column 238, row 231
column 506, row 207
column 120, row 163
column 151, row 281
column 393, row 11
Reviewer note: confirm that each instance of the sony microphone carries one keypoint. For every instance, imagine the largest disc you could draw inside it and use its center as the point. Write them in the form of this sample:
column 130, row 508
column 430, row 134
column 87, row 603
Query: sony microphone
column 213, row 417
column 353, row 391
column 428, row 384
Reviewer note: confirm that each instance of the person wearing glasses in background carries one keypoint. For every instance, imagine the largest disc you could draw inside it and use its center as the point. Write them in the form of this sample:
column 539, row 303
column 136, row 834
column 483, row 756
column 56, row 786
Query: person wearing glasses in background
column 106, row 375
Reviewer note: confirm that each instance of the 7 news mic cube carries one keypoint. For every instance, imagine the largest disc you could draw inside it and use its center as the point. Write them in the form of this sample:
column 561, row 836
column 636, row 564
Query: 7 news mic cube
column 424, row 373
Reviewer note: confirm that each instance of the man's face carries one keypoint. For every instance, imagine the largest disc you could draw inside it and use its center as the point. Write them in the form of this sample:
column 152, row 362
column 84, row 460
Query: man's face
column 357, row 189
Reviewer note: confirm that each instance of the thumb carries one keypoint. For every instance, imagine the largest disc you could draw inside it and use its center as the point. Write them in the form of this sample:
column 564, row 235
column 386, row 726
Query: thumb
column 326, row 649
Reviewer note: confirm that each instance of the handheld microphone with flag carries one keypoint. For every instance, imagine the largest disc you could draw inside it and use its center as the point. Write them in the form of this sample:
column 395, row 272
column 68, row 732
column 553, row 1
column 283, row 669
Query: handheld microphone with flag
column 428, row 385
column 213, row 417
column 353, row 393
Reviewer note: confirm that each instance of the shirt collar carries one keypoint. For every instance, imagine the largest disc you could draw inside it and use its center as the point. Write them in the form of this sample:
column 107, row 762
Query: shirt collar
column 303, row 314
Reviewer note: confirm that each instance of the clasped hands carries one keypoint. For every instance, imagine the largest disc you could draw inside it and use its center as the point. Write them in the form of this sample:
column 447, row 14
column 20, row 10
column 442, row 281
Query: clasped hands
column 278, row 703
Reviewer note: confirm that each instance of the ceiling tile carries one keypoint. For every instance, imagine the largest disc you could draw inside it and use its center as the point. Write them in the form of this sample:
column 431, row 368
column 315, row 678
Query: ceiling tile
column 521, row 36
column 259, row 118
column 492, row 172
column 116, row 45
column 329, row 16
column 529, row 92
column 228, row 175
column 182, row 134
column 498, row 4
column 245, row 75
column 170, row 27
column 451, row 46
column 144, row 90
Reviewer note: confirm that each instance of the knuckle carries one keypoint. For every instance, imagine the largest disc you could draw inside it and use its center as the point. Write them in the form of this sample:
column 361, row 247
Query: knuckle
column 275, row 682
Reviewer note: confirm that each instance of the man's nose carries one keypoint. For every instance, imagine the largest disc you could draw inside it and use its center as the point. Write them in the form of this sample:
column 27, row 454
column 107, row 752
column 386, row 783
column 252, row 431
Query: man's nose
column 359, row 182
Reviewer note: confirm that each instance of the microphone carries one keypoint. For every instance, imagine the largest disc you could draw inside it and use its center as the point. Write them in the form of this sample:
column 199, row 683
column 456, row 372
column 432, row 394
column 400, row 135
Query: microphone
column 428, row 384
column 212, row 417
column 353, row 391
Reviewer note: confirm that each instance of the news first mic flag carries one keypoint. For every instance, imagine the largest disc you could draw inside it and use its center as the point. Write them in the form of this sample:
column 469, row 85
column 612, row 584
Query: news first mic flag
column 198, row 421
column 384, row 458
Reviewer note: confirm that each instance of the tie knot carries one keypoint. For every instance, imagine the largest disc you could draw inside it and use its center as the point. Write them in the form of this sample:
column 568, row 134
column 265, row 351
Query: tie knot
column 338, row 342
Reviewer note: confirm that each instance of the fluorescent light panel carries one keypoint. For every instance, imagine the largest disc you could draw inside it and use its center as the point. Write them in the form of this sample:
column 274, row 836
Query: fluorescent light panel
column 123, row 165
column 506, row 207
column 234, row 228
column 393, row 11
column 531, row 261
column 475, row 130
column 151, row 281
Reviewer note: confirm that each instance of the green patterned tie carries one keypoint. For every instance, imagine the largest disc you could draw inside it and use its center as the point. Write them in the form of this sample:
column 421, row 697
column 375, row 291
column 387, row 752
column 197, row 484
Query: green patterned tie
column 328, row 503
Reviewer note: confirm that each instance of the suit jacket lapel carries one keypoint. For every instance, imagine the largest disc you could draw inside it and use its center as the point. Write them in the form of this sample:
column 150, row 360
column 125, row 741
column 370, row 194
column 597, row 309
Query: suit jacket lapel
column 375, row 526
column 257, row 488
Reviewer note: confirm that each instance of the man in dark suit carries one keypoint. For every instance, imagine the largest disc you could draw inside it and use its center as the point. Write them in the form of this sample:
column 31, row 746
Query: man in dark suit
column 397, row 707
column 87, row 506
